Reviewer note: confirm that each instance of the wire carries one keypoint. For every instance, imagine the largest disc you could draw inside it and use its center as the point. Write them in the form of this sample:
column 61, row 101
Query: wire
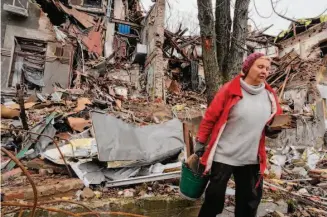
column 256, row 9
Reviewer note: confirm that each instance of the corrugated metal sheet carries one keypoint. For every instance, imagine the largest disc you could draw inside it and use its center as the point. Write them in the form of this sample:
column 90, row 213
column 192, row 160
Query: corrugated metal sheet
column 92, row 40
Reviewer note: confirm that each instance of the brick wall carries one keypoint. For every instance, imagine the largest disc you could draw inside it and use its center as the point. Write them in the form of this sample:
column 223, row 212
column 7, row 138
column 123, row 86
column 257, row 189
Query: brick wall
column 153, row 37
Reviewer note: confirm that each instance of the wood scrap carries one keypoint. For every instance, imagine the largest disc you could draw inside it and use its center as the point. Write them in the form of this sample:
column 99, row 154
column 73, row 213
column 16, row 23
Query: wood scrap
column 283, row 121
column 78, row 124
column 81, row 104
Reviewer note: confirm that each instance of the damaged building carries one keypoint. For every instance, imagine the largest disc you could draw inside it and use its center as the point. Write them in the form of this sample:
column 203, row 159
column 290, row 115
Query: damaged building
column 95, row 37
column 31, row 55
column 300, row 80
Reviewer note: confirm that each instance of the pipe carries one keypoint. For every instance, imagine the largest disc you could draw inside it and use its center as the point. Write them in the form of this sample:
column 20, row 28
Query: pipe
column 111, row 213
column 50, row 209
column 28, row 177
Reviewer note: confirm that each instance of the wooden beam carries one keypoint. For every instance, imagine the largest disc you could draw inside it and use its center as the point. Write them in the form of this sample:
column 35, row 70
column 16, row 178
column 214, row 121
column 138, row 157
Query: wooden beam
column 113, row 20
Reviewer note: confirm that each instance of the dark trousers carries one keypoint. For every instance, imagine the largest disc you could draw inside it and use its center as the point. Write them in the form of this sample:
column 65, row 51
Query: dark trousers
column 247, row 196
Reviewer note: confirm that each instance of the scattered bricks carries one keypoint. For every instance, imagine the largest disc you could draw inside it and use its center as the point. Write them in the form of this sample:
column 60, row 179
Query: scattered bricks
column 19, row 195
column 46, row 190
column 68, row 185
column 63, row 187
column 41, row 190
column 87, row 193
column 12, row 173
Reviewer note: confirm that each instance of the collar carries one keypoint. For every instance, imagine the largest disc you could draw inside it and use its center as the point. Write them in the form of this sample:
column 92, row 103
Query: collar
column 235, row 86
column 253, row 90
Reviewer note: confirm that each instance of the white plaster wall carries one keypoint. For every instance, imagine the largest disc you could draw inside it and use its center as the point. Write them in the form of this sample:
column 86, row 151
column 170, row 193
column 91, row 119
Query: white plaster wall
column 303, row 43
column 119, row 10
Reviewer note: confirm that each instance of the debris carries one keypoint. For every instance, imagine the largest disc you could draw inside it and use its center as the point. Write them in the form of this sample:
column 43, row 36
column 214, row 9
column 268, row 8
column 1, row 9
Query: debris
column 300, row 170
column 98, row 194
column 9, row 113
column 77, row 148
column 121, row 91
column 81, row 104
column 37, row 164
column 283, row 122
column 88, row 172
column 10, row 174
column 311, row 157
column 27, row 105
column 174, row 87
column 78, row 124
column 303, row 191
column 144, row 145
column 276, row 170
column 56, row 96
column 87, row 193
column 128, row 192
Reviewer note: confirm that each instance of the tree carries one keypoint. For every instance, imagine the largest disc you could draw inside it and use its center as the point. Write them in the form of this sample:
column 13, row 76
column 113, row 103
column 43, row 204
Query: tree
column 208, row 37
column 223, row 46
column 236, row 46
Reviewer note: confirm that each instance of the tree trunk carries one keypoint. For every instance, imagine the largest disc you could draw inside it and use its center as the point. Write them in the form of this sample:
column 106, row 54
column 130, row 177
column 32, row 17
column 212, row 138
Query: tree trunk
column 223, row 32
column 240, row 30
column 207, row 30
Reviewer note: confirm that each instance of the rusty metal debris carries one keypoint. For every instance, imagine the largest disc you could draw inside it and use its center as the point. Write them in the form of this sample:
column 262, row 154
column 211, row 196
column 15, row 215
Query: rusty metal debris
column 28, row 177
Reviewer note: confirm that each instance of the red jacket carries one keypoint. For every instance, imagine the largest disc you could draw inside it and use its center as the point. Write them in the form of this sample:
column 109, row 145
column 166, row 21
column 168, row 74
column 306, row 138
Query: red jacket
column 215, row 118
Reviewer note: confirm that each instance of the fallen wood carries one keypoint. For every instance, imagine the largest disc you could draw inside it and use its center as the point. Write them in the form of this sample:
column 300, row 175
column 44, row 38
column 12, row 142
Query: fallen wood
column 283, row 121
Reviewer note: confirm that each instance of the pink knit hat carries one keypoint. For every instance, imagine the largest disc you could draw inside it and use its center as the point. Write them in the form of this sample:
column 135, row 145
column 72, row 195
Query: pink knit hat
column 248, row 62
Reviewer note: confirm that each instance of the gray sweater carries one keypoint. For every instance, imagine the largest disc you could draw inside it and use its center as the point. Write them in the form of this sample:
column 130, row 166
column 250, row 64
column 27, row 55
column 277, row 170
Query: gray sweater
column 239, row 142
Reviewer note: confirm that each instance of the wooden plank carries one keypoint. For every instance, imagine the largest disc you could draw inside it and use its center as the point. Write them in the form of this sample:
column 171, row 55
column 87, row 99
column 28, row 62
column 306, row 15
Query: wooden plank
column 113, row 20
column 283, row 121
column 186, row 140
column 288, row 70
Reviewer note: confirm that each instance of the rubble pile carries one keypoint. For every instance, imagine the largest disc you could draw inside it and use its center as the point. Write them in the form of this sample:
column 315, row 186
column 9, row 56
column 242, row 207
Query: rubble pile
column 291, row 71
column 100, row 131
column 300, row 175
column 297, row 169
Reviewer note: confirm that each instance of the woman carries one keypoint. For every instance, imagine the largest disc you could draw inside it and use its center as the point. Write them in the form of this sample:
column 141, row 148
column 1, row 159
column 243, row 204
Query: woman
column 237, row 121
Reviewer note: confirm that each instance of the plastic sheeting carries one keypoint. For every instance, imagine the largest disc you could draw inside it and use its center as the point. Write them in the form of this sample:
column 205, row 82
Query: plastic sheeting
column 119, row 141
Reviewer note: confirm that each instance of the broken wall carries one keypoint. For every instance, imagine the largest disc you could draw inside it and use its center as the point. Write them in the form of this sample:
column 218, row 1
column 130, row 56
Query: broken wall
column 305, row 43
column 36, row 26
column 310, row 128
column 153, row 37
column 267, row 49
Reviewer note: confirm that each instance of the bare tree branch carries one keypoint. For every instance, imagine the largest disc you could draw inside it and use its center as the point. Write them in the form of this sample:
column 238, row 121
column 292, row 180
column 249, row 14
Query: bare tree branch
column 280, row 15
column 256, row 9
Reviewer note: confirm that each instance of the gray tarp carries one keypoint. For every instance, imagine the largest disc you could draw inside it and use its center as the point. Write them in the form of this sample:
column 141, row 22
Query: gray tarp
column 119, row 141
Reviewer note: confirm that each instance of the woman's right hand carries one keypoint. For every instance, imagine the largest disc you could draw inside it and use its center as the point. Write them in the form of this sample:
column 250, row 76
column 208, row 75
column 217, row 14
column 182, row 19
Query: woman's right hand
column 199, row 149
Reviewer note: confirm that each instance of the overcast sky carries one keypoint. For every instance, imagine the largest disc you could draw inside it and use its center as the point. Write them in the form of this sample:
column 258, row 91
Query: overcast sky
column 293, row 9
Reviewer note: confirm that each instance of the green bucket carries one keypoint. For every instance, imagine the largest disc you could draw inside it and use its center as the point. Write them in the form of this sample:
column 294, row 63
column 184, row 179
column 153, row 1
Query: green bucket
column 192, row 185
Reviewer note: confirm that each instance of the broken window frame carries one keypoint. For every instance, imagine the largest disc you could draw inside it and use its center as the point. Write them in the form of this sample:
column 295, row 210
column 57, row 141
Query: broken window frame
column 17, row 10
column 13, row 60
column 89, row 7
